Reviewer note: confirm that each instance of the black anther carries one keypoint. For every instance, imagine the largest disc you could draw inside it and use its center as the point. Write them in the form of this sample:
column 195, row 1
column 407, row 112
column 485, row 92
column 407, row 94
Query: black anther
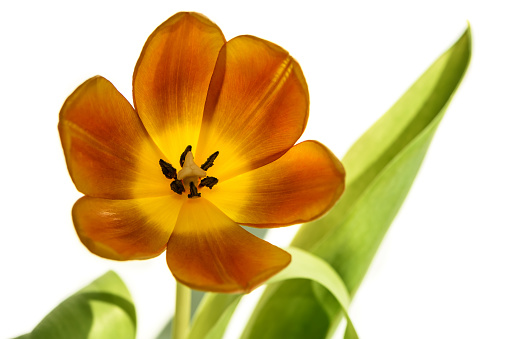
column 182, row 157
column 209, row 162
column 208, row 182
column 177, row 187
column 168, row 170
column 193, row 191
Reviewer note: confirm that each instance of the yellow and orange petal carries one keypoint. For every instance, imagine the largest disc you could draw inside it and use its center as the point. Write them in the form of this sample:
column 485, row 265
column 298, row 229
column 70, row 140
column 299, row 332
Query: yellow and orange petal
column 108, row 152
column 298, row 187
column 126, row 229
column 256, row 109
column 209, row 251
column 171, row 80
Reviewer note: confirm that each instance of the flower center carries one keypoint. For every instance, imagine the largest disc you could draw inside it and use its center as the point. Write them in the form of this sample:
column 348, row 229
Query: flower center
column 190, row 177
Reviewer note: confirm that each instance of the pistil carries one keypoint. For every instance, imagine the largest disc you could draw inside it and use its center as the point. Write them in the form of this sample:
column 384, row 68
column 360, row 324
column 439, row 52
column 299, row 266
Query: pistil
column 190, row 172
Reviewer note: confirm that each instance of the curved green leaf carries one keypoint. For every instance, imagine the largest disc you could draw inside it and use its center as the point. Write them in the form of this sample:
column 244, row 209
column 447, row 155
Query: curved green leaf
column 216, row 310
column 102, row 310
column 380, row 169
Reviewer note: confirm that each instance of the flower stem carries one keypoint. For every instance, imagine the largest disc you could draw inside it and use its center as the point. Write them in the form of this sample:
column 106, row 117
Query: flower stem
column 181, row 320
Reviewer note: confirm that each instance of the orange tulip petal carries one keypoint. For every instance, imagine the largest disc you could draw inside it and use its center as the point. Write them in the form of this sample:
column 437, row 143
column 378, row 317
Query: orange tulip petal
column 126, row 229
column 298, row 187
column 109, row 154
column 208, row 251
column 256, row 109
column 171, row 80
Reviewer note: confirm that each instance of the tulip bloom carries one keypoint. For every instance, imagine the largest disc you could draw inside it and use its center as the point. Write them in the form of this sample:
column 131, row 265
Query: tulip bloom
column 208, row 145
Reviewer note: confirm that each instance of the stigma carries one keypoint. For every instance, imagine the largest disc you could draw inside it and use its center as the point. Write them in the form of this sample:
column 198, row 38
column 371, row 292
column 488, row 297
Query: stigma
column 190, row 172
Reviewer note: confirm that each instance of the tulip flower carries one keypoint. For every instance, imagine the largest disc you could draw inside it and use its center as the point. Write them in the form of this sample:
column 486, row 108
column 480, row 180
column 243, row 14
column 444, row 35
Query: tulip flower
column 209, row 145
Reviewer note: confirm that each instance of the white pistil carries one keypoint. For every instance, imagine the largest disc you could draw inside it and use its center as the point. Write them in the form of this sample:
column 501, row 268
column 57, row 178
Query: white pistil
column 190, row 172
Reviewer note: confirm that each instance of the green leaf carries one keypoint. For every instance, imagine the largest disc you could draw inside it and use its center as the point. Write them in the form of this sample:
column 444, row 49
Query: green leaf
column 216, row 310
column 103, row 309
column 213, row 315
column 380, row 169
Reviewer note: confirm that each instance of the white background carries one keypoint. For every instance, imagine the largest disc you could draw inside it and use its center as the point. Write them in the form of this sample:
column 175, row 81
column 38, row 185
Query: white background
column 442, row 269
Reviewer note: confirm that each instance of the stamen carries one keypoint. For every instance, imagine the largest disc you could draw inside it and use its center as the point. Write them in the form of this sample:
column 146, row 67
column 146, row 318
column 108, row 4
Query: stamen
column 168, row 170
column 184, row 154
column 209, row 162
column 177, row 187
column 190, row 174
column 193, row 191
column 208, row 182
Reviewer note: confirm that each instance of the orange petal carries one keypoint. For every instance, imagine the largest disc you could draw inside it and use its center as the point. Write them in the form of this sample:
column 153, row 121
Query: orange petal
column 126, row 229
column 171, row 80
column 108, row 152
column 256, row 109
column 298, row 187
column 208, row 251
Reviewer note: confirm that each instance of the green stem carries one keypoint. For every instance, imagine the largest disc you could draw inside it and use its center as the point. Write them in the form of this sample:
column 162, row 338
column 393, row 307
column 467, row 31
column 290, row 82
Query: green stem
column 181, row 320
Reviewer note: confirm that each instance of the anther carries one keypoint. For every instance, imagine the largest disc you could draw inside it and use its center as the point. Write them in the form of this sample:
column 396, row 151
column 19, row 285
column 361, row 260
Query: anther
column 177, row 187
column 209, row 162
column 208, row 182
column 193, row 191
column 168, row 170
column 184, row 154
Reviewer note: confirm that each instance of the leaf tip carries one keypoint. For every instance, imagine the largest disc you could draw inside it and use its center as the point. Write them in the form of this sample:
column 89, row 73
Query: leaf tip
column 468, row 38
